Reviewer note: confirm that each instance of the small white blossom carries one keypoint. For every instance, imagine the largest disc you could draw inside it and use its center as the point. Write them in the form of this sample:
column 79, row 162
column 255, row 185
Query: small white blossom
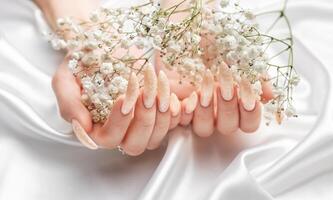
column 174, row 47
column 106, row 68
column 290, row 111
column 58, row 44
column 249, row 15
column 229, row 42
column 87, row 83
column 259, row 66
column 120, row 83
column 232, row 57
column 257, row 88
column 94, row 16
column 224, row 3
column 294, row 80
column 72, row 64
column 91, row 58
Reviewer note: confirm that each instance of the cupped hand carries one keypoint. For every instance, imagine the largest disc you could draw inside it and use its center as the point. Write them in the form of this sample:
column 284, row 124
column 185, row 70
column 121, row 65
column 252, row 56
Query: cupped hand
column 139, row 120
column 226, row 106
column 221, row 105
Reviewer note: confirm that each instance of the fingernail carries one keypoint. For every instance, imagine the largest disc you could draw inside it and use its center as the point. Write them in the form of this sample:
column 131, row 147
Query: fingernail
column 226, row 82
column 207, row 89
column 163, row 92
column 174, row 105
column 150, row 87
column 191, row 103
column 132, row 94
column 247, row 95
column 82, row 135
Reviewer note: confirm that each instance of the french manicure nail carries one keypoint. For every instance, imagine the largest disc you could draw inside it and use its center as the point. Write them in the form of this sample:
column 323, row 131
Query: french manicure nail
column 163, row 92
column 191, row 103
column 247, row 95
column 226, row 82
column 82, row 135
column 207, row 89
column 174, row 105
column 132, row 94
column 150, row 87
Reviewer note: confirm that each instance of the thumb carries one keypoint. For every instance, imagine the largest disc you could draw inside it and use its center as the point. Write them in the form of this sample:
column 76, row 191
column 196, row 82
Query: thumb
column 68, row 96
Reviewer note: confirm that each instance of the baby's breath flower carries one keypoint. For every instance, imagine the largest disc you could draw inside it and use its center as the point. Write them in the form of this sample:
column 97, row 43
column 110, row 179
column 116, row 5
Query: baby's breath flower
column 72, row 64
column 229, row 34
column 106, row 68
column 224, row 3
column 290, row 111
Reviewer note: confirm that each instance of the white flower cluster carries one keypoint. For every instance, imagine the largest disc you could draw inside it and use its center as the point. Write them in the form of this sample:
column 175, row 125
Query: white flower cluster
column 116, row 42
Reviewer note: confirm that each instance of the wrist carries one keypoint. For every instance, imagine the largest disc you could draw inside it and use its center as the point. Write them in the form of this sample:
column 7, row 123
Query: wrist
column 54, row 9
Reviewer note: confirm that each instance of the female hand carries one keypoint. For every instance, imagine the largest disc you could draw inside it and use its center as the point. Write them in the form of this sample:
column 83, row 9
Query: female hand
column 223, row 105
column 137, row 121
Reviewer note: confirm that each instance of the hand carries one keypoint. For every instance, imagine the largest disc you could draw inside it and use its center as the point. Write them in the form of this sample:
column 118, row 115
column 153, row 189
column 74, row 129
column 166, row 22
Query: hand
column 137, row 121
column 220, row 107
column 217, row 105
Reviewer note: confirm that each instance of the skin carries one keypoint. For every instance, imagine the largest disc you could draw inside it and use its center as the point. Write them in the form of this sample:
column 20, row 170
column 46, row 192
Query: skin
column 136, row 131
column 230, row 115
column 145, row 128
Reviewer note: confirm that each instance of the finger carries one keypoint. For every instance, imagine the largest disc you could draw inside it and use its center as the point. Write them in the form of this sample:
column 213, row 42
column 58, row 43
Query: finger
column 203, row 118
column 68, row 96
column 181, row 88
column 162, row 121
column 140, row 130
column 82, row 135
column 188, row 106
column 227, row 102
column 114, row 129
column 267, row 92
column 175, row 109
column 250, row 108
column 132, row 94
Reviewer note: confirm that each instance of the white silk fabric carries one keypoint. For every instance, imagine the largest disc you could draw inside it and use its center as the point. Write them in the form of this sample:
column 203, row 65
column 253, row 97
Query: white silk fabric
column 41, row 160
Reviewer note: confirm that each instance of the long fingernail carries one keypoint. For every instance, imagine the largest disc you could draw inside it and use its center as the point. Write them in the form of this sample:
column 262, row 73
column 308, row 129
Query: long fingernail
column 82, row 135
column 163, row 92
column 150, row 87
column 191, row 103
column 247, row 95
column 226, row 82
column 132, row 94
column 174, row 105
column 207, row 89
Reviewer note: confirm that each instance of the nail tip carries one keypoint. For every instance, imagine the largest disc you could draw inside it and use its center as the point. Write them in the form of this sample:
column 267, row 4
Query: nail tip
column 150, row 87
column 163, row 92
column 192, row 102
column 249, row 106
column 174, row 105
column 82, row 136
column 163, row 107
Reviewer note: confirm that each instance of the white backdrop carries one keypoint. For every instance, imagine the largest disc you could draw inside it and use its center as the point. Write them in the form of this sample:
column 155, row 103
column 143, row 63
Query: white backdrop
column 40, row 159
